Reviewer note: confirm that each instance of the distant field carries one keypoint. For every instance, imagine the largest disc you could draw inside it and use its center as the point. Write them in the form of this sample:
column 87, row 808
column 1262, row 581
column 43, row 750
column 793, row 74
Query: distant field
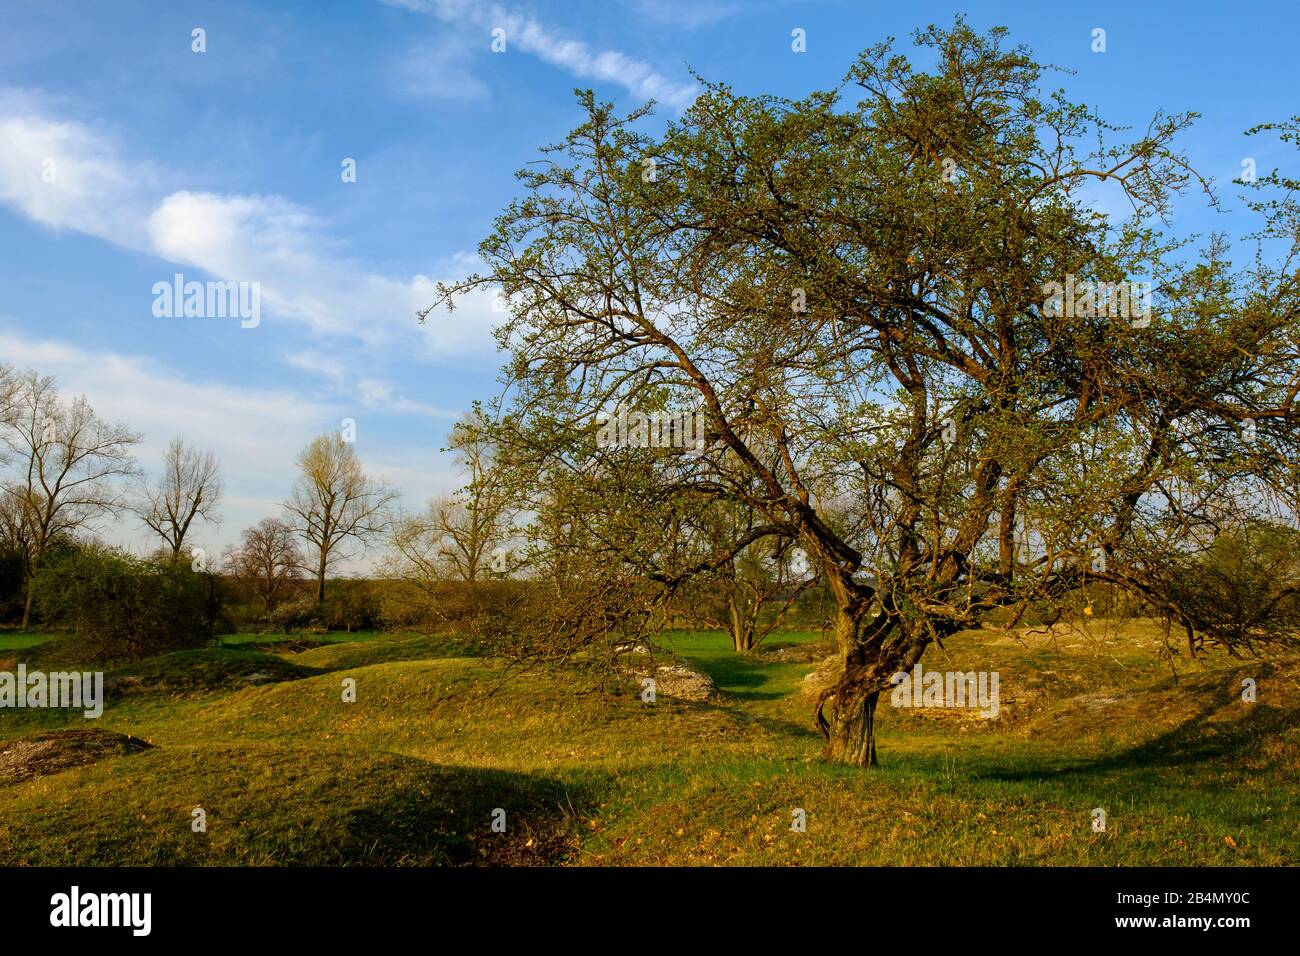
column 436, row 741
column 16, row 640
column 331, row 637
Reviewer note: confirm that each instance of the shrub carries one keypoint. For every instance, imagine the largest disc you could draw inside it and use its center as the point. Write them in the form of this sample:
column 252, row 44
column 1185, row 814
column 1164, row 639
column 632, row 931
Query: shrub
column 13, row 584
column 123, row 606
column 1242, row 593
column 351, row 605
column 301, row 613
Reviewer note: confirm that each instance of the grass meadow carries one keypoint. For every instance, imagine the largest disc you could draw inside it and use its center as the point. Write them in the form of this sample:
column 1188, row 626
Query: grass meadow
column 257, row 735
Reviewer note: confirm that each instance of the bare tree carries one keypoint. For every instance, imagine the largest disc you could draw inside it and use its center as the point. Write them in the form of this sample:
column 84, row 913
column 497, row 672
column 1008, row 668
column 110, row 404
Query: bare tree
column 69, row 463
column 335, row 504
column 477, row 519
column 8, row 406
column 189, row 488
column 267, row 559
column 15, row 529
column 456, row 536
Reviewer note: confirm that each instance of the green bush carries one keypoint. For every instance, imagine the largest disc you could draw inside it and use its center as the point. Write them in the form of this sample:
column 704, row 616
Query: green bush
column 13, row 585
column 1243, row 592
column 352, row 605
column 123, row 606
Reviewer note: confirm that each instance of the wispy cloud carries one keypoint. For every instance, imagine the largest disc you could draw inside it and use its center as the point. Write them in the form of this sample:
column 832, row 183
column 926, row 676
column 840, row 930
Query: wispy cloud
column 66, row 175
column 529, row 35
column 441, row 70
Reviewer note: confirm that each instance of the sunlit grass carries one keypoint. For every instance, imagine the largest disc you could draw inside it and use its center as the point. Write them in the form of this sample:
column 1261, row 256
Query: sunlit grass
column 437, row 739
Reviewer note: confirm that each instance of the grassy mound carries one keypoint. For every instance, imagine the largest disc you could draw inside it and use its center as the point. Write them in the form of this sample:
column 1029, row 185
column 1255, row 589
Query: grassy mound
column 59, row 750
column 201, row 672
column 285, row 805
column 340, row 655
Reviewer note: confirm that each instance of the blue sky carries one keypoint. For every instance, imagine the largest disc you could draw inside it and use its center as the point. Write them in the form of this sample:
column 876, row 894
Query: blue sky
column 226, row 165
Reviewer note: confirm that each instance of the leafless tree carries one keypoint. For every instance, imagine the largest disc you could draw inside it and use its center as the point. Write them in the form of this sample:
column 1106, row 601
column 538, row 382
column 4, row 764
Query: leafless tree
column 267, row 559
column 335, row 504
column 188, row 489
column 457, row 535
column 69, row 463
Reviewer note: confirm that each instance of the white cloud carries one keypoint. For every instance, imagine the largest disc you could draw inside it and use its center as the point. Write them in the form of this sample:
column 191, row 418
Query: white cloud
column 376, row 393
column 524, row 33
column 66, row 176
column 255, row 433
column 305, row 276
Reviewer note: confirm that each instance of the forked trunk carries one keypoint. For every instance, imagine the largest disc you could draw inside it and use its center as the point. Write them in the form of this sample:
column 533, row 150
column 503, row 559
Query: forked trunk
column 742, row 629
column 846, row 711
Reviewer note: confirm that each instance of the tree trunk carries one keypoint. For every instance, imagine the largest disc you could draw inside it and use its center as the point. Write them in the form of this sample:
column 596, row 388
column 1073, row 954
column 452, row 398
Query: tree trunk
column 742, row 631
column 27, row 606
column 846, row 711
column 852, row 731
column 320, row 582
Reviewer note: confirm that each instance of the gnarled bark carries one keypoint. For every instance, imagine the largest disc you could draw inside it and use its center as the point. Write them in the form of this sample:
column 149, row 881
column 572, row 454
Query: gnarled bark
column 846, row 711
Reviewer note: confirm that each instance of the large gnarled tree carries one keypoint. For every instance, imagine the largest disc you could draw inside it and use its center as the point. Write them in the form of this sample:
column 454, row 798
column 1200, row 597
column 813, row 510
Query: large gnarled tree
column 903, row 323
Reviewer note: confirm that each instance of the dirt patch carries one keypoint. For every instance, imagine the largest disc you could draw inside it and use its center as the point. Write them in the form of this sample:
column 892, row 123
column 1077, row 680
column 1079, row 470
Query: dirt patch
column 61, row 750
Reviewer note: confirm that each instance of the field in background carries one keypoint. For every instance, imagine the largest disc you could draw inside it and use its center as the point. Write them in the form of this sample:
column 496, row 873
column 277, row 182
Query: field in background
column 256, row 734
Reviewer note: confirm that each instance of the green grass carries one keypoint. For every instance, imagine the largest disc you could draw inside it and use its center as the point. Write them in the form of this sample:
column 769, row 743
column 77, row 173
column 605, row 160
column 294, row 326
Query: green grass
column 19, row 640
column 325, row 637
column 586, row 773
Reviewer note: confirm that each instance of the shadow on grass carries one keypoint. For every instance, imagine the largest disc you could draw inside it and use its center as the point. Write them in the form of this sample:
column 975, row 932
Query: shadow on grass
column 448, row 819
column 1221, row 731
column 744, row 678
column 296, row 806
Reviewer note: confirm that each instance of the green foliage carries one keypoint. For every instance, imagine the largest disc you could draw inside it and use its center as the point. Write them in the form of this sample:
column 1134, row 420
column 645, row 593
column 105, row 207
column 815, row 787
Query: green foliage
column 122, row 606
column 351, row 606
column 13, row 581
column 1243, row 591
